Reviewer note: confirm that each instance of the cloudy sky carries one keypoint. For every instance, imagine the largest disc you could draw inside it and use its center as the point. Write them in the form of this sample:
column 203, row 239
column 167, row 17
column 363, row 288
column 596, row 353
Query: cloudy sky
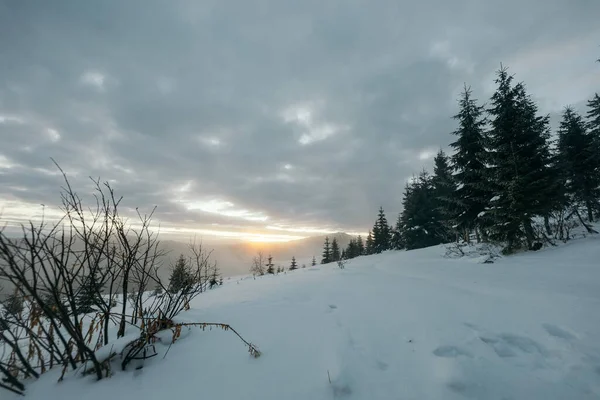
column 277, row 118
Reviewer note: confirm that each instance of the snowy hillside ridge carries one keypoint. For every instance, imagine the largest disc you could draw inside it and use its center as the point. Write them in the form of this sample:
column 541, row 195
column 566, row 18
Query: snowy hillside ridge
column 405, row 324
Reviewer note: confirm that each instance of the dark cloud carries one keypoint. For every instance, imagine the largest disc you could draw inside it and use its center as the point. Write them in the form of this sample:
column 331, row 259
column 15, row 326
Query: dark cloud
column 309, row 113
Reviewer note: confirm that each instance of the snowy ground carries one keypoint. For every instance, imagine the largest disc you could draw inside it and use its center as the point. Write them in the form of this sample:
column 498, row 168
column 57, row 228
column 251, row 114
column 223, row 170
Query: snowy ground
column 401, row 325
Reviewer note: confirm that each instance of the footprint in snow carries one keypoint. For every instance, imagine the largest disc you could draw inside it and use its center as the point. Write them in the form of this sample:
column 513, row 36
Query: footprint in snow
column 450, row 352
column 510, row 345
column 341, row 390
column 558, row 332
column 472, row 390
column 382, row 366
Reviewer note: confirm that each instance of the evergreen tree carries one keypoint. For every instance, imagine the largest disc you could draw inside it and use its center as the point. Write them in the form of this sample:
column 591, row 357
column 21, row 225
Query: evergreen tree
column 472, row 193
column 593, row 125
column 369, row 244
column 314, row 261
column 420, row 223
column 293, row 265
column 180, row 275
column 349, row 250
column 444, row 187
column 578, row 162
column 326, row 252
column 335, row 250
column 397, row 243
column 88, row 295
column 214, row 276
column 360, row 246
column 270, row 266
column 12, row 306
column 158, row 290
column 593, row 117
column 353, row 249
column 524, row 184
column 381, row 233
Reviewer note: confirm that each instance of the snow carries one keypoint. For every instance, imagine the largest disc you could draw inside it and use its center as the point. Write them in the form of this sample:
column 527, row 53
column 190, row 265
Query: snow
column 115, row 347
column 399, row 325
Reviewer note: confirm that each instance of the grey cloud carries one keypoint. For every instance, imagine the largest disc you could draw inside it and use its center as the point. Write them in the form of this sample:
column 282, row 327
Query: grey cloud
column 136, row 90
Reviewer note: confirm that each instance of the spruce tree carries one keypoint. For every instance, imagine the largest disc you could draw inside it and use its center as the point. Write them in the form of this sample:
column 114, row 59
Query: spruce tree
column 472, row 192
column 215, row 276
column 347, row 252
column 314, row 261
column 293, row 265
column 335, row 250
column 353, row 250
column 158, row 290
column 88, row 295
column 360, row 246
column 369, row 244
column 270, row 266
column 396, row 242
column 420, row 223
column 524, row 184
column 381, row 233
column 593, row 125
column 444, row 187
column 326, row 252
column 577, row 161
column 12, row 306
column 180, row 275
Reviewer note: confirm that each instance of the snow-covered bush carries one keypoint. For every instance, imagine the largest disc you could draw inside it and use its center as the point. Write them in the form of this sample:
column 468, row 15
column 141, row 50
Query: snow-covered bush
column 84, row 283
column 485, row 253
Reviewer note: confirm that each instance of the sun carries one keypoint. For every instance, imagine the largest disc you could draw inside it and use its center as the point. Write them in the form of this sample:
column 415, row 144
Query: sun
column 257, row 238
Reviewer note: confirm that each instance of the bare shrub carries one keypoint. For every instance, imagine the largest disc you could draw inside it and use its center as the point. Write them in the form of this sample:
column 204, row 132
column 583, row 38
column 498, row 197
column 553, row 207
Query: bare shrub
column 485, row 253
column 258, row 264
column 71, row 275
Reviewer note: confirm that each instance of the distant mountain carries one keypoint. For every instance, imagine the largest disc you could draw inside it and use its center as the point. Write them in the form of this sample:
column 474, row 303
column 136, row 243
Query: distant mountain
column 236, row 258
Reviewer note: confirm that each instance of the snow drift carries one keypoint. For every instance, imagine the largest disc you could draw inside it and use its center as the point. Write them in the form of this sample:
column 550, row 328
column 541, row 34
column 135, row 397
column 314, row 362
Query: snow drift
column 400, row 325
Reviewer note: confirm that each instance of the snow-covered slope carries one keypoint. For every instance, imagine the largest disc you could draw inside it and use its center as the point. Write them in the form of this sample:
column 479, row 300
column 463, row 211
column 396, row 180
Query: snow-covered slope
column 401, row 325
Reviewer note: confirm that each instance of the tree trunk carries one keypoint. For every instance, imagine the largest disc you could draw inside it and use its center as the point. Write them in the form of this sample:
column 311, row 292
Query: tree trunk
column 529, row 234
column 587, row 227
column 547, row 225
column 121, row 331
column 106, row 325
column 590, row 211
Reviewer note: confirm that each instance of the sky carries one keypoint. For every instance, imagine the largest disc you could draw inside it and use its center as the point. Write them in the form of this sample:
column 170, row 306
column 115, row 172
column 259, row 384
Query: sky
column 262, row 120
